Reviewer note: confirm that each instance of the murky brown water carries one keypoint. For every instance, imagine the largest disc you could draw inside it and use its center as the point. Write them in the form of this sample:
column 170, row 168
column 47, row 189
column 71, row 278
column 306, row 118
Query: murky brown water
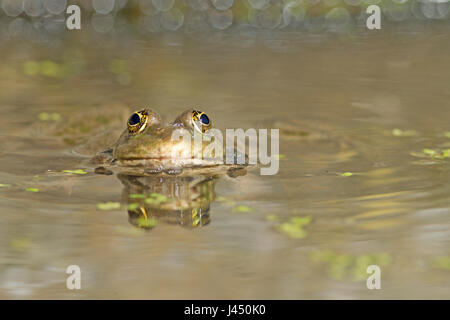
column 373, row 102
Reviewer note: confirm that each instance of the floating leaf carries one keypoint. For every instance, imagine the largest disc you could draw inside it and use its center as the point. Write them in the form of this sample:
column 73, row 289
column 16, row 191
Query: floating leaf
column 338, row 265
column 437, row 154
column 142, row 222
column 5, row 185
column 403, row 133
column 20, row 244
column 152, row 201
column 429, row 152
column 108, row 206
column 242, row 208
column 45, row 116
column 301, row 221
column 445, row 153
column 294, row 228
column 279, row 156
column 32, row 189
column 51, row 69
column 156, row 198
column 78, row 171
column 137, row 196
column 447, row 134
column 346, row 174
column 133, row 206
column 55, row 116
column 441, row 262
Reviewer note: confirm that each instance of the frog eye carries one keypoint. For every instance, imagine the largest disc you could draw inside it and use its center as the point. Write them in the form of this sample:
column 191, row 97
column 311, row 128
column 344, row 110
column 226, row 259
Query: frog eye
column 200, row 121
column 137, row 122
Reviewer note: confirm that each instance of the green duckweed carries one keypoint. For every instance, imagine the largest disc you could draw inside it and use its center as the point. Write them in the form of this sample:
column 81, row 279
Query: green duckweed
column 52, row 69
column 340, row 266
column 346, row 174
column 20, row 244
column 403, row 133
column 133, row 206
column 279, row 156
column 108, row 206
column 5, row 185
column 45, row 116
column 156, row 199
column 242, row 209
column 294, row 228
column 77, row 171
column 437, row 153
column 137, row 196
column 441, row 262
column 142, row 222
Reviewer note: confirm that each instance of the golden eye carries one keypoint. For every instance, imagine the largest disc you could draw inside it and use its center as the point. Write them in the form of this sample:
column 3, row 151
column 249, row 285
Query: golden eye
column 137, row 122
column 200, row 121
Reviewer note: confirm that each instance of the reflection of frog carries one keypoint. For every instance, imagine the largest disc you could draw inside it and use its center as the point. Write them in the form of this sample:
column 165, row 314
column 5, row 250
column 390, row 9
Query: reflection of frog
column 182, row 200
column 148, row 147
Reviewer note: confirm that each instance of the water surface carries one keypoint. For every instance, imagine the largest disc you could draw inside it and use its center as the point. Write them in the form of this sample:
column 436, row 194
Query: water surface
column 374, row 102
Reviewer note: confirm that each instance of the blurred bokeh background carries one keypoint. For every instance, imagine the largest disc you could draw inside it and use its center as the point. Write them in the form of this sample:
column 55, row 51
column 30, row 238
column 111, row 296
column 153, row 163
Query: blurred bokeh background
column 44, row 20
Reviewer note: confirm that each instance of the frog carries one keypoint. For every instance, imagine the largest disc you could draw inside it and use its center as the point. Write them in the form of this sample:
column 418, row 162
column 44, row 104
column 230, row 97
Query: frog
column 161, row 178
column 148, row 146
